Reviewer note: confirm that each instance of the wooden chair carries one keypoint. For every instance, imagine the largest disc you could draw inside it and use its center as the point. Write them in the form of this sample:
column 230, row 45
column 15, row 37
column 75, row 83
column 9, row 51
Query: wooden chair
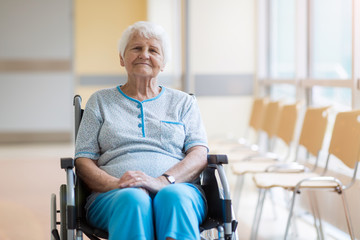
column 344, row 145
column 256, row 118
column 313, row 131
column 259, row 163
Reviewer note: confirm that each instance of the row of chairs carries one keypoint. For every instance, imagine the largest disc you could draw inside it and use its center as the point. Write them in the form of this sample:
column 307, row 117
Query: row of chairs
column 270, row 170
column 278, row 123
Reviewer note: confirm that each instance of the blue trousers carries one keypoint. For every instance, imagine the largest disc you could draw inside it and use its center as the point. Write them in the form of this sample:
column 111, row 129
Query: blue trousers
column 176, row 211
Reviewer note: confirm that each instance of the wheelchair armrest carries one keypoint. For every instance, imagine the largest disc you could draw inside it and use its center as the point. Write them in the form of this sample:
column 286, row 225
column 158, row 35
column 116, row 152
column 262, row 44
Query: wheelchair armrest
column 217, row 159
column 66, row 163
column 218, row 196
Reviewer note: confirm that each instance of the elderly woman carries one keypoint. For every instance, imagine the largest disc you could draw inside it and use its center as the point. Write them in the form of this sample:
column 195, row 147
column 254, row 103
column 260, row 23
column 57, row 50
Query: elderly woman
column 141, row 147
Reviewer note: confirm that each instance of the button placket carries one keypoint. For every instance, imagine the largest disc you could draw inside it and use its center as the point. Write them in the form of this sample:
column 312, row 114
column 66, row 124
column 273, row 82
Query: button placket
column 141, row 117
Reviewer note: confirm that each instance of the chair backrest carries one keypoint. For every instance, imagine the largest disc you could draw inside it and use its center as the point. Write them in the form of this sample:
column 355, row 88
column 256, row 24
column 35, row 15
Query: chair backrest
column 313, row 129
column 345, row 140
column 271, row 117
column 257, row 113
column 287, row 122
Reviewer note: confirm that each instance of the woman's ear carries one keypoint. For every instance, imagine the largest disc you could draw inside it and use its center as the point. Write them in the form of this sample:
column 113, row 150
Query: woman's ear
column 162, row 67
column 122, row 63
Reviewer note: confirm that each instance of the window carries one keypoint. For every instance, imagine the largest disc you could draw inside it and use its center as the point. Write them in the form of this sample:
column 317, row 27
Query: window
column 307, row 50
column 282, row 38
column 339, row 98
column 331, row 39
column 284, row 92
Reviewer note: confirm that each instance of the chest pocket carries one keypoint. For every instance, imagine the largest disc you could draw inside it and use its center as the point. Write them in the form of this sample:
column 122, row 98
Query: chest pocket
column 172, row 136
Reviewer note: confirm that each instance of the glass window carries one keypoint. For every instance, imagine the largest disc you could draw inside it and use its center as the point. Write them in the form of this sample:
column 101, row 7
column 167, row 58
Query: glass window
column 282, row 35
column 331, row 39
column 339, row 98
column 284, row 92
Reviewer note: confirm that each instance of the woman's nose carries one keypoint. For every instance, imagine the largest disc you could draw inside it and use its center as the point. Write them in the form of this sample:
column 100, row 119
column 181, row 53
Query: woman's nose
column 144, row 54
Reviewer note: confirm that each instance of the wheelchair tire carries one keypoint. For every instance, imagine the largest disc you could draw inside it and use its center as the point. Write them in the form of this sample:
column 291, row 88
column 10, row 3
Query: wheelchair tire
column 63, row 224
column 52, row 214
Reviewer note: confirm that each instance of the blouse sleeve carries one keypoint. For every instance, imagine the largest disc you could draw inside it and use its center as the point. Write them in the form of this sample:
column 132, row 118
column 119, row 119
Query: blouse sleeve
column 87, row 139
column 194, row 127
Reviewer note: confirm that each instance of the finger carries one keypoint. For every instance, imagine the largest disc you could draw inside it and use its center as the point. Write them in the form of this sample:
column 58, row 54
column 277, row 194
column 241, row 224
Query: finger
column 131, row 182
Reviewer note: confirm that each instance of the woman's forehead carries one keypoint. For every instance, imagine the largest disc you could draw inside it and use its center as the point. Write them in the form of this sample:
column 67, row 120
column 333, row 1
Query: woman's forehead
column 139, row 38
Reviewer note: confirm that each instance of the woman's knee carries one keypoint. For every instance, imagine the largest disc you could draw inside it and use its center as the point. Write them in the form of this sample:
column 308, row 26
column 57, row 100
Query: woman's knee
column 171, row 194
column 177, row 194
column 116, row 205
column 130, row 205
column 131, row 197
column 125, row 212
column 178, row 209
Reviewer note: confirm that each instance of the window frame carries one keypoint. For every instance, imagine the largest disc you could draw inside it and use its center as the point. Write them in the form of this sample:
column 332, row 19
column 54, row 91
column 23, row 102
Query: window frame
column 303, row 54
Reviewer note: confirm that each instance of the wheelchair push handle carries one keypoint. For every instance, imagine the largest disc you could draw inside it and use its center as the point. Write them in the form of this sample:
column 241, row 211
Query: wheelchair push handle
column 67, row 163
column 217, row 159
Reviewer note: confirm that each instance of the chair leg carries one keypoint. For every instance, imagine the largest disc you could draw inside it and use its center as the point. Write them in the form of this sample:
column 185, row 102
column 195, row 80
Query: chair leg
column 317, row 218
column 291, row 210
column 257, row 215
column 288, row 199
column 347, row 215
column 237, row 191
column 273, row 203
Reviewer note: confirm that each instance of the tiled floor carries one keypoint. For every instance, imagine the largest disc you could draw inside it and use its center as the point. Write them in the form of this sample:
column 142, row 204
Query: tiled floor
column 30, row 173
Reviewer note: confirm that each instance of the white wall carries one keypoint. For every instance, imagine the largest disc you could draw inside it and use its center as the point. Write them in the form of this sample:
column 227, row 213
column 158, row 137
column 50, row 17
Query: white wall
column 168, row 14
column 225, row 117
column 34, row 29
column 222, row 43
column 36, row 102
column 36, row 32
column 222, row 36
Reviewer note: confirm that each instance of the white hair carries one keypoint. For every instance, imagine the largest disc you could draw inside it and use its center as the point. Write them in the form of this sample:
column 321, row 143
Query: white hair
column 147, row 30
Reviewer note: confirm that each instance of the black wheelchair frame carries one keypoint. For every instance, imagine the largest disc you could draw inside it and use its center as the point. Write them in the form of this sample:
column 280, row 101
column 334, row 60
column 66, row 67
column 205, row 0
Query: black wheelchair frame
column 72, row 197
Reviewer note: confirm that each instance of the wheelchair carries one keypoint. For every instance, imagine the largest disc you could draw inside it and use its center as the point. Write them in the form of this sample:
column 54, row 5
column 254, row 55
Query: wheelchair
column 72, row 197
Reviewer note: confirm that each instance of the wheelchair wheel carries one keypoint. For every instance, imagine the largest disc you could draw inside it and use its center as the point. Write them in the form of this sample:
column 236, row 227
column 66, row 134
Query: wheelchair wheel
column 63, row 228
column 53, row 214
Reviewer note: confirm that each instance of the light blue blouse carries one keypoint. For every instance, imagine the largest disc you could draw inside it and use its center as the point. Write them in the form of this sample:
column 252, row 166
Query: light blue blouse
column 122, row 133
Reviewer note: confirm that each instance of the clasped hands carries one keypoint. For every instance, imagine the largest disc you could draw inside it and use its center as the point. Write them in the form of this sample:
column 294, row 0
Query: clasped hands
column 141, row 180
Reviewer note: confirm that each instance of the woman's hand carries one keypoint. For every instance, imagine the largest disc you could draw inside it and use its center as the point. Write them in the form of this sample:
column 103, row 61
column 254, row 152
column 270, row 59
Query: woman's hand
column 141, row 180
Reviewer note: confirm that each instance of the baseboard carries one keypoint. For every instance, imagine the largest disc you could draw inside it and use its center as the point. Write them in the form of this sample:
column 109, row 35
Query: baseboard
column 35, row 137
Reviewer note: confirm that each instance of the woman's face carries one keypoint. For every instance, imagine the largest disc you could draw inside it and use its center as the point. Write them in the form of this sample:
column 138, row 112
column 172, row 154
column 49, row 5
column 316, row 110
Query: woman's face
column 143, row 57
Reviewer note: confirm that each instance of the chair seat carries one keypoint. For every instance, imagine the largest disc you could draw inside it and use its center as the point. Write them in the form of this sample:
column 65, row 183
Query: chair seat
column 290, row 180
column 257, row 166
column 240, row 155
column 251, row 155
column 226, row 146
column 233, row 147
